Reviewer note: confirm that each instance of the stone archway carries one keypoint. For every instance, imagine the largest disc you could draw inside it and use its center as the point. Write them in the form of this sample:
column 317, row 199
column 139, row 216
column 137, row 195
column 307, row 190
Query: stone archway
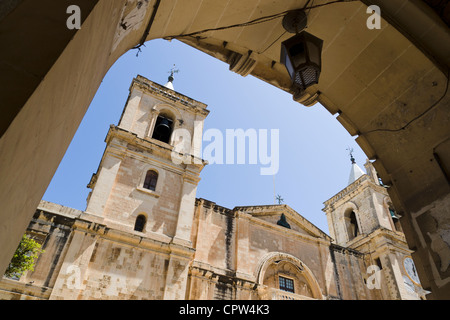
column 276, row 264
column 389, row 90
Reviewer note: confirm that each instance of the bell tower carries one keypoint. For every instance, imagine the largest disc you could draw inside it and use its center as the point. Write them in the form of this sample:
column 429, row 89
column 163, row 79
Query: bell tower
column 361, row 217
column 141, row 185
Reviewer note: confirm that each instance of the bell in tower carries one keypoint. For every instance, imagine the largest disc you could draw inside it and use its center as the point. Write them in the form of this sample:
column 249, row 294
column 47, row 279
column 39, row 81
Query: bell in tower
column 163, row 129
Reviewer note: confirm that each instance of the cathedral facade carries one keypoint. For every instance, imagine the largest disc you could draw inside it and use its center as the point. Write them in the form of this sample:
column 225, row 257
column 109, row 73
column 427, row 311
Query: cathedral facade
column 145, row 235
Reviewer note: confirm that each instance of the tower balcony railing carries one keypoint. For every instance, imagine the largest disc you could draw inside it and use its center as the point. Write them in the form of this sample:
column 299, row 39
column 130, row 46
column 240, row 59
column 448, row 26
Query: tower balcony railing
column 276, row 294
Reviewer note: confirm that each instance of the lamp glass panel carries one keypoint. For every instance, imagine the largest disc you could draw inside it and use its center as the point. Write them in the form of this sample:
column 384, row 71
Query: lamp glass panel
column 289, row 66
column 298, row 54
column 314, row 53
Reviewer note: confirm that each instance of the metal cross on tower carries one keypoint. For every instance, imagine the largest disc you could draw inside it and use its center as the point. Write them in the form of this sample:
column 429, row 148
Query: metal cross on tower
column 172, row 72
column 350, row 151
column 280, row 199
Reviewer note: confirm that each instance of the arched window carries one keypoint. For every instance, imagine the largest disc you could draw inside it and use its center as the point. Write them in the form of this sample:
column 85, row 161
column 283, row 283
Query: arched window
column 354, row 230
column 351, row 224
column 395, row 219
column 163, row 128
column 151, row 178
column 139, row 225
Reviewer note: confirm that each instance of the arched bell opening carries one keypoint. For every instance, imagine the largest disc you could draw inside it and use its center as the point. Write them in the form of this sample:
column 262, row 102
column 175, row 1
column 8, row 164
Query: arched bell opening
column 351, row 223
column 163, row 128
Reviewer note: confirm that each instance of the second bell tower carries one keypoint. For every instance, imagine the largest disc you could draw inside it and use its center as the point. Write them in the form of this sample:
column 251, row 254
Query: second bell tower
column 361, row 217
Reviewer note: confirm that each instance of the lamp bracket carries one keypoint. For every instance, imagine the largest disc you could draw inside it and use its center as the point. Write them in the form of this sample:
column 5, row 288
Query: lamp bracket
column 295, row 21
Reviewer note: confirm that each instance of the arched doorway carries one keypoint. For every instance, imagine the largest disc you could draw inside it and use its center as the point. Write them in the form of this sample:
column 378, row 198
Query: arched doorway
column 281, row 276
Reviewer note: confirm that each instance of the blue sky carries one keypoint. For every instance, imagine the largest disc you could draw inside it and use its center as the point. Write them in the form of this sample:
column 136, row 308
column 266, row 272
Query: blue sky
column 314, row 163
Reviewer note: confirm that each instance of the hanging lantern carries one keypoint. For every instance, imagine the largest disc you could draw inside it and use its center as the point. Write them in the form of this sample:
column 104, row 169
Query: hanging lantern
column 302, row 56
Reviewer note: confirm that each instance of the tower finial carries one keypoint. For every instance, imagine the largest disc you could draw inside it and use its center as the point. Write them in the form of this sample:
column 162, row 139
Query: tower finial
column 350, row 151
column 172, row 72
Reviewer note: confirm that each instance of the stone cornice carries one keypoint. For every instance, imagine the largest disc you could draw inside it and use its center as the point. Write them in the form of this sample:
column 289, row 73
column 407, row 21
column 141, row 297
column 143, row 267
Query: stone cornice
column 146, row 242
column 290, row 233
column 97, row 226
column 252, row 214
column 212, row 205
column 346, row 190
column 169, row 95
column 347, row 250
column 381, row 237
column 294, row 216
column 202, row 269
column 162, row 151
column 58, row 209
column 364, row 181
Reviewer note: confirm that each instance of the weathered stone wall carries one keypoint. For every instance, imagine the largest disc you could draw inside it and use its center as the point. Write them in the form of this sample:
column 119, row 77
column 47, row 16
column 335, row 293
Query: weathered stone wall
column 103, row 263
column 128, row 198
column 432, row 226
column 87, row 260
column 52, row 230
column 367, row 200
column 230, row 247
column 118, row 271
column 350, row 268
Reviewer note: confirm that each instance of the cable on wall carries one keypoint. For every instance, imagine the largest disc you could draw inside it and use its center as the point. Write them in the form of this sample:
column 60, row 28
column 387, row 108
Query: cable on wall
column 256, row 21
column 415, row 118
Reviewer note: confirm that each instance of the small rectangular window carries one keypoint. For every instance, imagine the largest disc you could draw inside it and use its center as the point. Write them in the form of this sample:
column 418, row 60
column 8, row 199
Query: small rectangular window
column 286, row 284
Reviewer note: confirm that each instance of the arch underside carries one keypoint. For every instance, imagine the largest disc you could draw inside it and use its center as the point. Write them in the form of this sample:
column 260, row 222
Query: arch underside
column 386, row 91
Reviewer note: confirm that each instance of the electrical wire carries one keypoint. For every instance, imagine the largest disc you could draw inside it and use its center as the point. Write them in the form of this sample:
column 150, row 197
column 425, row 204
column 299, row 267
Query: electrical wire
column 147, row 29
column 276, row 16
column 273, row 42
column 256, row 21
column 245, row 24
column 416, row 117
